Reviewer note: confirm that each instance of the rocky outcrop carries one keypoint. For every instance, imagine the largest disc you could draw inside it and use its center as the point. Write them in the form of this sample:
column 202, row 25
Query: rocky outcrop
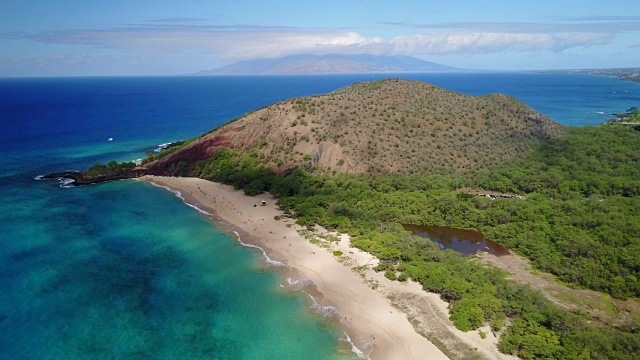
column 81, row 178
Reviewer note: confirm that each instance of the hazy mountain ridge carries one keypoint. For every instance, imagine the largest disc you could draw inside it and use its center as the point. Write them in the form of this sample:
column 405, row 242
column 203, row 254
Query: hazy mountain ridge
column 329, row 64
column 386, row 126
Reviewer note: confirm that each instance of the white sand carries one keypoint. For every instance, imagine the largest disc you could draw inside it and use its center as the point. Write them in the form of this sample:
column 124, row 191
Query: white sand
column 367, row 315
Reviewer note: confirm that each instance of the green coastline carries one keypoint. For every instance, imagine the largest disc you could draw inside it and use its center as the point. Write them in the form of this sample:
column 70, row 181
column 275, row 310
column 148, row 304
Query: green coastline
column 576, row 219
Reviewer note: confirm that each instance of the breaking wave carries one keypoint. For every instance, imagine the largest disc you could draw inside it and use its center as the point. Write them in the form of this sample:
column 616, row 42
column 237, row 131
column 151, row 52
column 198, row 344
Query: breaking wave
column 264, row 253
column 300, row 284
column 178, row 194
column 359, row 353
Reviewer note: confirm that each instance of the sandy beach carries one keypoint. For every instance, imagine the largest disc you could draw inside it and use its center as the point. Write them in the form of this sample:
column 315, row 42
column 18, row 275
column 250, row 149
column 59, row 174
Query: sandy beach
column 385, row 319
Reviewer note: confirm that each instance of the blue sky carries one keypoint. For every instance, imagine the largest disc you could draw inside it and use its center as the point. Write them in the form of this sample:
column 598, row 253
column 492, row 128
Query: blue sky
column 144, row 37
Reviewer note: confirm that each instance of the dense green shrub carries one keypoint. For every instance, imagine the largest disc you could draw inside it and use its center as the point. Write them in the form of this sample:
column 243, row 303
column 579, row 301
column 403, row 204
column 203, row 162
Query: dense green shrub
column 579, row 220
column 112, row 168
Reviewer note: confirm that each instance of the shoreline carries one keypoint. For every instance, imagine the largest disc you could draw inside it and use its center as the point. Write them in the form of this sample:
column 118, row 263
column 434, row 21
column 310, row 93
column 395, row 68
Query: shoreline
column 366, row 303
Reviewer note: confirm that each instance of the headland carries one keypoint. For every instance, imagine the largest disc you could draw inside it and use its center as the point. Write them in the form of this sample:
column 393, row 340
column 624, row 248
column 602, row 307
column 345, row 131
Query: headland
column 366, row 302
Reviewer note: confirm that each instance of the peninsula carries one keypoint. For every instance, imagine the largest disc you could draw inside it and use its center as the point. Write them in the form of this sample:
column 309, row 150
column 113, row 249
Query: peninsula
column 349, row 168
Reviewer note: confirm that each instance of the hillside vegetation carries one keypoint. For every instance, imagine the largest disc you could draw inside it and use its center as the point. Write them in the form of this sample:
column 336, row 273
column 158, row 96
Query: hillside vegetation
column 578, row 220
column 382, row 127
column 581, row 226
column 364, row 160
column 581, row 221
column 631, row 117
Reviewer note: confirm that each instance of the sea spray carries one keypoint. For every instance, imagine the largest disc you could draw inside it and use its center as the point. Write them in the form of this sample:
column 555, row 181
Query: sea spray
column 65, row 183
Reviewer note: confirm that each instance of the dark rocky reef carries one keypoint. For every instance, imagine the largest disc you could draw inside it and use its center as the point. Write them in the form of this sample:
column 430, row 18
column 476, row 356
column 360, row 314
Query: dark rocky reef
column 80, row 178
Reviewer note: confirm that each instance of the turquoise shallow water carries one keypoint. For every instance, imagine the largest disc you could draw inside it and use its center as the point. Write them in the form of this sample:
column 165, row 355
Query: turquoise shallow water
column 126, row 270
column 92, row 275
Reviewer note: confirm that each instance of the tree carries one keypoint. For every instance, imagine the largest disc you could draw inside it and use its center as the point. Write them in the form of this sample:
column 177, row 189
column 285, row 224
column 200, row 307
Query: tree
column 467, row 314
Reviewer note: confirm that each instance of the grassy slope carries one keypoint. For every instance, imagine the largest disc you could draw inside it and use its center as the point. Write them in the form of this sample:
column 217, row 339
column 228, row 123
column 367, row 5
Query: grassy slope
column 410, row 127
column 388, row 126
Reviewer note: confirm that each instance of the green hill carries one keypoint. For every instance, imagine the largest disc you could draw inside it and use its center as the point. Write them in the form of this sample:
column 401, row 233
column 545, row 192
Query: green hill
column 382, row 127
column 372, row 156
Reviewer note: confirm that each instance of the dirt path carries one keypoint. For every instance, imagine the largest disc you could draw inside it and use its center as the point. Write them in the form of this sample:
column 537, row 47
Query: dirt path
column 599, row 306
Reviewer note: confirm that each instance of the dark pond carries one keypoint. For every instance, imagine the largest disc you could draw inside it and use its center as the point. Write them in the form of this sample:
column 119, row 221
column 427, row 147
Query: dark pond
column 466, row 242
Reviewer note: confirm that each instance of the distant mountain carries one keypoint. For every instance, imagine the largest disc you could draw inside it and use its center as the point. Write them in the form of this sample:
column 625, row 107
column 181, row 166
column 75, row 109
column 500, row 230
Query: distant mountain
column 329, row 64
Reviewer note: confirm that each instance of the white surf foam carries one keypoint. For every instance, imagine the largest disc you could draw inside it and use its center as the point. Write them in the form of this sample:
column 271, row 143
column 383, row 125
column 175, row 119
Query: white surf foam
column 326, row 311
column 175, row 192
column 66, row 183
column 299, row 284
column 164, row 146
column 359, row 353
column 178, row 194
column 197, row 208
column 264, row 253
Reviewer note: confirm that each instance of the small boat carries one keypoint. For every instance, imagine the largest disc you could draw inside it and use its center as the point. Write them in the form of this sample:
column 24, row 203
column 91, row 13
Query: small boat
column 110, row 139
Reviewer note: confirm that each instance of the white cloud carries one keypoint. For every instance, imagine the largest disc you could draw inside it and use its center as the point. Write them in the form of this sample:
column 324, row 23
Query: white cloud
column 482, row 43
column 589, row 25
column 251, row 42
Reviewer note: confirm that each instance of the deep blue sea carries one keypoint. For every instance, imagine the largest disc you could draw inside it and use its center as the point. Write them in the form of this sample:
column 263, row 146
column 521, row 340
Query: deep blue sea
column 126, row 270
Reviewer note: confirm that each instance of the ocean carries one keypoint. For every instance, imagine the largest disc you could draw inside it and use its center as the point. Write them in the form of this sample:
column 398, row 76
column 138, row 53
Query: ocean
column 126, row 270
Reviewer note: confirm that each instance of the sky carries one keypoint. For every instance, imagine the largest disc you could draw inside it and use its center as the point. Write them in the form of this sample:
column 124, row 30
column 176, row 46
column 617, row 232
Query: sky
column 160, row 37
